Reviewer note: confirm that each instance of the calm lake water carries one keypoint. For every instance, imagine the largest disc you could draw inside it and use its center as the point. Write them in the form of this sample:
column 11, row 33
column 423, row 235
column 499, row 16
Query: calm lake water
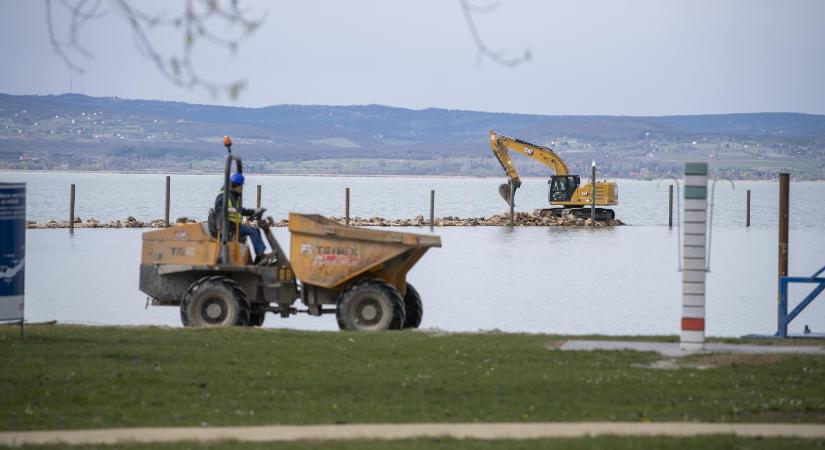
column 622, row 280
column 551, row 280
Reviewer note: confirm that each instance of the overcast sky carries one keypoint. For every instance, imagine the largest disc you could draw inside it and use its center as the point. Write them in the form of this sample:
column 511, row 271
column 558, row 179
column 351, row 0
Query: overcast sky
column 651, row 57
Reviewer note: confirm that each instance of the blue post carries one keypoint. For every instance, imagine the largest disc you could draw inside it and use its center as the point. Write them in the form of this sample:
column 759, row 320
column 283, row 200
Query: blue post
column 12, row 250
column 785, row 318
column 783, row 307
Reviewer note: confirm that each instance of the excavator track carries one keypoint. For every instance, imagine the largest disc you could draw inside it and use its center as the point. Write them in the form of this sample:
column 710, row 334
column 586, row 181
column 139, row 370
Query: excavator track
column 602, row 214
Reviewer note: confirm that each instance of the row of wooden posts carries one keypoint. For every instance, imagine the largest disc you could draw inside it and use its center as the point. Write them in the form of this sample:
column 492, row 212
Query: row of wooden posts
column 347, row 204
column 670, row 207
column 257, row 204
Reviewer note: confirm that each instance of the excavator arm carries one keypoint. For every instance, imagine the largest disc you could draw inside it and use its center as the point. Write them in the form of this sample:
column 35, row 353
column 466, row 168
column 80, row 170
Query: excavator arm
column 501, row 144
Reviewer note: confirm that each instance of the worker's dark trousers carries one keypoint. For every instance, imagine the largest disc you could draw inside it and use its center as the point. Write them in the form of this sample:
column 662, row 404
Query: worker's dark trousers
column 255, row 235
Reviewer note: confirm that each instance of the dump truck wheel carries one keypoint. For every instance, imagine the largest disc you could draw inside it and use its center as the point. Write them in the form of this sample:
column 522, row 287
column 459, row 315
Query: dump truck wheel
column 413, row 308
column 214, row 301
column 256, row 318
column 370, row 305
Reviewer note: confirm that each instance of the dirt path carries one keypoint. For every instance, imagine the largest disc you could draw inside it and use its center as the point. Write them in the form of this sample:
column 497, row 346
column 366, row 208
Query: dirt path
column 406, row 431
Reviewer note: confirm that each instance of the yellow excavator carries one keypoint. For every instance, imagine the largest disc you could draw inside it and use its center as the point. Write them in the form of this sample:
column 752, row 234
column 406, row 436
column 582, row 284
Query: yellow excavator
column 566, row 193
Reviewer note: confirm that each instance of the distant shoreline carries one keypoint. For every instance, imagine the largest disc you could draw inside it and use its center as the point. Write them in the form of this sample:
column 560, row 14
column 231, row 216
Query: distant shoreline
column 328, row 175
column 331, row 175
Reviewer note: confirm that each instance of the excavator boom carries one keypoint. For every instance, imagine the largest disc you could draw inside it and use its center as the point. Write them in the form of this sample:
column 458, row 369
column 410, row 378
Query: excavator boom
column 501, row 146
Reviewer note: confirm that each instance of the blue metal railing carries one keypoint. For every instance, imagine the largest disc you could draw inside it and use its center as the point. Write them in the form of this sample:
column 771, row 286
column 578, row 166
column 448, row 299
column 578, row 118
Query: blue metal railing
column 785, row 318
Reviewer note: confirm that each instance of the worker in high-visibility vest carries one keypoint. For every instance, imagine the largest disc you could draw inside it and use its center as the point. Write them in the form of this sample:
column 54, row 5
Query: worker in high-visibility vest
column 236, row 212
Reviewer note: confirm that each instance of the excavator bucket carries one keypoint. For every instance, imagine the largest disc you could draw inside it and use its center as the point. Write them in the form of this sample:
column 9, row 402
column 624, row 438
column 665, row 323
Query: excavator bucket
column 505, row 191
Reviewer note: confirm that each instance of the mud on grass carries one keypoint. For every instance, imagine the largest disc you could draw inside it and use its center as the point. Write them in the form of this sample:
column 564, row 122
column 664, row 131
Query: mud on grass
column 73, row 377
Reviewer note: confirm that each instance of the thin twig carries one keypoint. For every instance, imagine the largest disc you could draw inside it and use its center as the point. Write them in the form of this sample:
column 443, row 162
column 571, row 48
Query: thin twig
column 57, row 46
column 468, row 9
column 194, row 24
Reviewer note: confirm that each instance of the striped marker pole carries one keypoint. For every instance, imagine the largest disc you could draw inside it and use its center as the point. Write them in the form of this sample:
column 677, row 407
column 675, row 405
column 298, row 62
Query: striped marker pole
column 693, row 257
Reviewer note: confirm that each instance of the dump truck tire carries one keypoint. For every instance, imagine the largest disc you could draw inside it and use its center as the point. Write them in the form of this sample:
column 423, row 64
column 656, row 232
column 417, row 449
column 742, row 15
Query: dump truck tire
column 214, row 301
column 256, row 318
column 413, row 308
column 370, row 305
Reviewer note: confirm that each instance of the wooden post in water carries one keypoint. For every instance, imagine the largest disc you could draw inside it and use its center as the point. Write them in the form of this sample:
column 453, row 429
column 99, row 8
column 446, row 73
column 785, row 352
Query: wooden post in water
column 258, row 197
column 346, row 207
column 71, row 209
column 432, row 209
column 593, row 196
column 784, row 197
column 670, row 206
column 748, row 209
column 168, row 198
column 512, row 204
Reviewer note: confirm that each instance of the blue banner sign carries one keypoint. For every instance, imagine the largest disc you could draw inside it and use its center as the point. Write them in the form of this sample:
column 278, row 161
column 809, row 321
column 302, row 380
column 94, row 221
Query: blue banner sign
column 12, row 249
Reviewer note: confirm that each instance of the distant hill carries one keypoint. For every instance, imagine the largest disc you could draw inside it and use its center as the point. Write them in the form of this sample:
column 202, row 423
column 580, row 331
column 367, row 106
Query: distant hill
column 93, row 130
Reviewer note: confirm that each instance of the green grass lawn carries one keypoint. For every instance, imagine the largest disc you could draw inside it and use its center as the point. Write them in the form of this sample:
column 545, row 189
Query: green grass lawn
column 65, row 377
column 612, row 443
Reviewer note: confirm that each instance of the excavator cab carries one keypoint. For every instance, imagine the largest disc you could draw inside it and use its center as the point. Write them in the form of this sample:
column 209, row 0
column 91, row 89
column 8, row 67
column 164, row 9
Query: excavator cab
column 562, row 187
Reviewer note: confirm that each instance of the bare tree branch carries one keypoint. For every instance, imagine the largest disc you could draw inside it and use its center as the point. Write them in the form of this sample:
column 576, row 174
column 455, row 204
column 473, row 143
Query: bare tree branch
column 79, row 17
column 196, row 24
column 57, row 46
column 499, row 57
column 482, row 9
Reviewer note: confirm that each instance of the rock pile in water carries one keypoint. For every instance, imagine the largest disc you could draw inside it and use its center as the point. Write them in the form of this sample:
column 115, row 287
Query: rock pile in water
column 496, row 220
column 129, row 222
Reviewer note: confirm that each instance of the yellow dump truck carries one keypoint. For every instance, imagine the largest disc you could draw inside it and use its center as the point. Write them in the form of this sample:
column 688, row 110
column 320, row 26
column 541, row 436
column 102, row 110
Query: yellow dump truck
column 359, row 274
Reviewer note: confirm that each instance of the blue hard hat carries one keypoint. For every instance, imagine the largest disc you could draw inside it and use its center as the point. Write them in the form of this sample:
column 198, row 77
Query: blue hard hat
column 237, row 178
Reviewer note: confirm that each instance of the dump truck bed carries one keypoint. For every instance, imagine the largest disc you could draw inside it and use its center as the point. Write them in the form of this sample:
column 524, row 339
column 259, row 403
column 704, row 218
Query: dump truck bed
column 329, row 255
